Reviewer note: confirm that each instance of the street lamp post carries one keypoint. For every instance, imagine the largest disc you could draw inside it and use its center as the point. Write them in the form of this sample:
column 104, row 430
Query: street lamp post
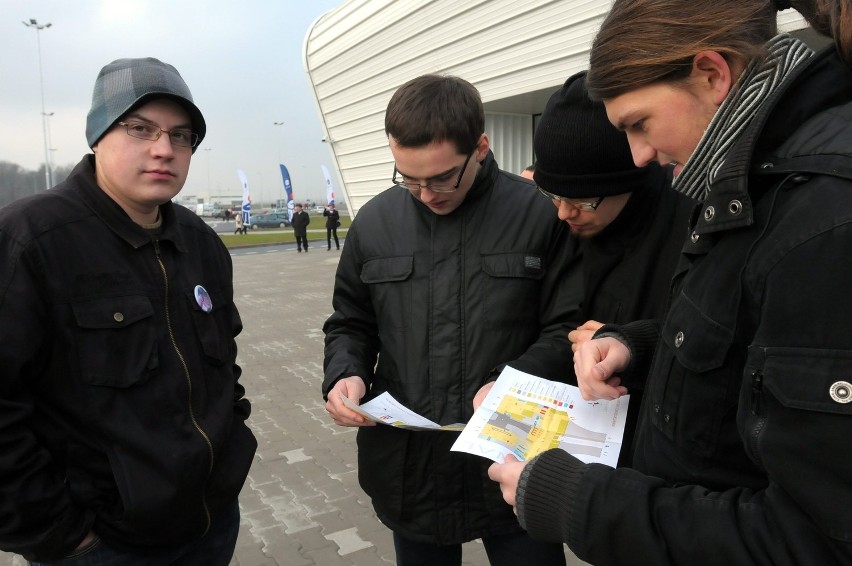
column 279, row 138
column 50, row 150
column 38, row 27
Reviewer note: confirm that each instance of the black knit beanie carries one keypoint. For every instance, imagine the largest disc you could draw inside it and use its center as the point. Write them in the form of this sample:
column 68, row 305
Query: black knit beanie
column 578, row 152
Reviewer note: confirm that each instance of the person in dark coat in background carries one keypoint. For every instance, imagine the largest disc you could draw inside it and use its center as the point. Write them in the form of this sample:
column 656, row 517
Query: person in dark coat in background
column 300, row 222
column 332, row 222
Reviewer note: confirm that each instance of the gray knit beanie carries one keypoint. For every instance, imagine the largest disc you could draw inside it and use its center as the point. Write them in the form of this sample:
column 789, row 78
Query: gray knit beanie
column 126, row 84
column 578, row 152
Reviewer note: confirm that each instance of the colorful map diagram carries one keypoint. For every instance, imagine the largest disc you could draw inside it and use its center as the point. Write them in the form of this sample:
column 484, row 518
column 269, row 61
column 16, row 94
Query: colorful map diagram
column 527, row 428
column 525, row 415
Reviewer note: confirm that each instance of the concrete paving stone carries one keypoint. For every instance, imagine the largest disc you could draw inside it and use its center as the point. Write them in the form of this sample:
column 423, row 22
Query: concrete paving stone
column 310, row 539
column 287, row 554
column 327, row 557
column 348, row 541
column 332, row 522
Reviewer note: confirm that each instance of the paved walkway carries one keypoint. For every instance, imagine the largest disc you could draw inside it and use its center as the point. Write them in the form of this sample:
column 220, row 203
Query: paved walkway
column 301, row 505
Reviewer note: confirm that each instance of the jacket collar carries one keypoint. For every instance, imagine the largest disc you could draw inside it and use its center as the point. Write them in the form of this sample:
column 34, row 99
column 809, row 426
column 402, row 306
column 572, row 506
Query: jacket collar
column 485, row 178
column 639, row 208
column 82, row 181
column 807, row 90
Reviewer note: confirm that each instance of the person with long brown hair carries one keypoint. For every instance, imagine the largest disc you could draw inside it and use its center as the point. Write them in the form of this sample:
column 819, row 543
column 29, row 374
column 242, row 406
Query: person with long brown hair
column 740, row 454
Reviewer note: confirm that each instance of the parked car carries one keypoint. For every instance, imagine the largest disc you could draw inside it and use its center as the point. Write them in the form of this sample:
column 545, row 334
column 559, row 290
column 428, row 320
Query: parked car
column 278, row 220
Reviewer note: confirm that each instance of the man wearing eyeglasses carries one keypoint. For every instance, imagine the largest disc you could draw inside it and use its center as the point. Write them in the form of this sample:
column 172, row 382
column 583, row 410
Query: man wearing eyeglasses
column 632, row 225
column 453, row 272
column 123, row 423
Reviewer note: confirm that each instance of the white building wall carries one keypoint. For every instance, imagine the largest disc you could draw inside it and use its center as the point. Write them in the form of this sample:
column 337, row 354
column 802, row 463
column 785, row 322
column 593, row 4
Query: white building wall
column 515, row 53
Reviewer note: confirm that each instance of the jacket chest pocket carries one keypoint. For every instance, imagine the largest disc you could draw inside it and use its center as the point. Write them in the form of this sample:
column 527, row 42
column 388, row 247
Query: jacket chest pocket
column 512, row 289
column 389, row 279
column 213, row 327
column 695, row 384
column 116, row 341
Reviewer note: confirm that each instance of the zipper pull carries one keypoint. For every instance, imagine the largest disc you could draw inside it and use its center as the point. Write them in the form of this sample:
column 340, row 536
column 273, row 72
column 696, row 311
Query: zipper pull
column 756, row 390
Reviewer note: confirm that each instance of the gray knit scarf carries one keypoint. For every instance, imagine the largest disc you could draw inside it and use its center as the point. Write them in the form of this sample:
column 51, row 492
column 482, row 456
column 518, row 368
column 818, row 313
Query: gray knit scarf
column 757, row 82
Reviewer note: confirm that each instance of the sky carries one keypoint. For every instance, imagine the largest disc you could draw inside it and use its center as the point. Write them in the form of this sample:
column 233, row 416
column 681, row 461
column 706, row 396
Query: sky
column 242, row 61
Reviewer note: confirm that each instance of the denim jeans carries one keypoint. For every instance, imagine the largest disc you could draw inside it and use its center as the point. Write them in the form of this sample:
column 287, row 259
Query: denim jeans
column 504, row 550
column 216, row 548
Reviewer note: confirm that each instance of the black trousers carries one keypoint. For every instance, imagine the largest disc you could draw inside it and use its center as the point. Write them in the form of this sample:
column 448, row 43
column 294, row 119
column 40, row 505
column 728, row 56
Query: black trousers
column 300, row 241
column 329, row 232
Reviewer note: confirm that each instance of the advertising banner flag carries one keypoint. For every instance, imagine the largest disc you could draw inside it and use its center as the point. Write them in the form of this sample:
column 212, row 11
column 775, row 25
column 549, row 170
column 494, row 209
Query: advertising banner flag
column 329, row 189
column 288, row 189
column 245, row 210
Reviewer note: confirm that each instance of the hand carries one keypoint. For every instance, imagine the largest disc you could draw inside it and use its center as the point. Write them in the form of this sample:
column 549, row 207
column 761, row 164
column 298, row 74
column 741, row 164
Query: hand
column 481, row 394
column 354, row 389
column 595, row 362
column 583, row 333
column 507, row 475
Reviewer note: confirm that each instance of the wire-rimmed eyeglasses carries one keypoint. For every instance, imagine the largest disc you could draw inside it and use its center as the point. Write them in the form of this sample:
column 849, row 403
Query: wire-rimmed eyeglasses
column 181, row 137
column 582, row 205
column 438, row 186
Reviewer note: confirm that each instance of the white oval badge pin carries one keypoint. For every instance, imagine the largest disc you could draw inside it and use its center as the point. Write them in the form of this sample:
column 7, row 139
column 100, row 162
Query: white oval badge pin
column 202, row 297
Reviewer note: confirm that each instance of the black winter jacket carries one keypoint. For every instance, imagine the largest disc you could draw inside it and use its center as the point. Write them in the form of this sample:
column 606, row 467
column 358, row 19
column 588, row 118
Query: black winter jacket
column 425, row 307
column 120, row 409
column 332, row 218
column 300, row 223
column 628, row 267
column 742, row 449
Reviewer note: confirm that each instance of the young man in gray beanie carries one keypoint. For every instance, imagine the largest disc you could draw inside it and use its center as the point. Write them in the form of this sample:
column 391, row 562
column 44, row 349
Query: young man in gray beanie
column 123, row 424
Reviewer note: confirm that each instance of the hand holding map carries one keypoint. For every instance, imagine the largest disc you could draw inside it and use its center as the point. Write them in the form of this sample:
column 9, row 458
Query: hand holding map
column 524, row 415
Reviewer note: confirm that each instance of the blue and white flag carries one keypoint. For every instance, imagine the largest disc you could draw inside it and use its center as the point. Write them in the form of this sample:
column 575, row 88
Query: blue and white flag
column 329, row 189
column 245, row 210
column 288, row 188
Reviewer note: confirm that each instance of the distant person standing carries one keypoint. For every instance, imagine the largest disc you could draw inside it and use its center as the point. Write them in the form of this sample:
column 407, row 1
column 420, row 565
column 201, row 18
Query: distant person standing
column 300, row 222
column 332, row 221
column 239, row 223
column 528, row 172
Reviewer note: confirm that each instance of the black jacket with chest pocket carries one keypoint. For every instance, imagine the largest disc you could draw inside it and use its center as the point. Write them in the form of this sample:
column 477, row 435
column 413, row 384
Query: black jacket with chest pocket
column 120, row 409
column 425, row 307
column 744, row 433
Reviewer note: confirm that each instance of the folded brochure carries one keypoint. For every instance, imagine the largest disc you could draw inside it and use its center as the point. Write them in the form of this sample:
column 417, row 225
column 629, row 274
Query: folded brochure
column 525, row 415
column 385, row 409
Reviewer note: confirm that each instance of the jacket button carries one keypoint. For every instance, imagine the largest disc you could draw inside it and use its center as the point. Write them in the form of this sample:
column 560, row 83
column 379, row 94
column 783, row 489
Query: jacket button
column 735, row 207
column 678, row 339
column 709, row 213
column 118, row 317
column 667, row 418
column 841, row 391
column 694, row 237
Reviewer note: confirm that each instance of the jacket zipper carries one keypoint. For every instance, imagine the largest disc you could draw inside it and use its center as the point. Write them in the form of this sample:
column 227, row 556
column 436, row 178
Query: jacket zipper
column 760, row 421
column 187, row 376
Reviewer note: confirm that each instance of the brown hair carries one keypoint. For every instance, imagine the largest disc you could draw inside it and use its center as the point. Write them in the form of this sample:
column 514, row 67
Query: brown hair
column 641, row 42
column 434, row 108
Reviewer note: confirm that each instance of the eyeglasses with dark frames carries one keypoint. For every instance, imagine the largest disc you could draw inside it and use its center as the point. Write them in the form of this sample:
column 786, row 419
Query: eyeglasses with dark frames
column 434, row 187
column 181, row 137
column 582, row 205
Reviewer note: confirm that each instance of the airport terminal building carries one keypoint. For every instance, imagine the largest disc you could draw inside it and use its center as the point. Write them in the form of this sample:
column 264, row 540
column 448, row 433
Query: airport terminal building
column 516, row 53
